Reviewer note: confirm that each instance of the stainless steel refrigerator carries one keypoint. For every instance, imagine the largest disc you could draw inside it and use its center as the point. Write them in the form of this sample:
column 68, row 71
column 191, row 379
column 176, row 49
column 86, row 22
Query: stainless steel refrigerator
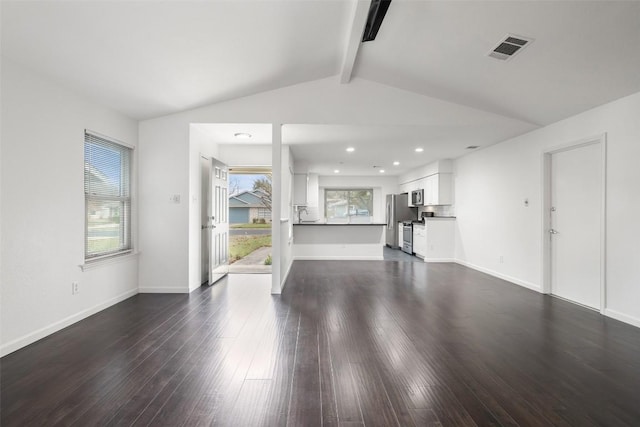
column 397, row 211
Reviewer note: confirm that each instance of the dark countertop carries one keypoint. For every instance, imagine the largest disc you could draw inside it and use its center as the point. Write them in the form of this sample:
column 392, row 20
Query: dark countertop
column 429, row 218
column 341, row 224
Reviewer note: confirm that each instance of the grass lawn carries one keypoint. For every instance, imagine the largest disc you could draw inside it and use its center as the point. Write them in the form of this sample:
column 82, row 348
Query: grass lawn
column 250, row 226
column 241, row 246
column 103, row 244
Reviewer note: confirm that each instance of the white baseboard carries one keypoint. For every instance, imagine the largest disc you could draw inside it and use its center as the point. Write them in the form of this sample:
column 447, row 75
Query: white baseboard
column 338, row 258
column 164, row 290
column 32, row 337
column 440, row 260
column 633, row 321
column 514, row 280
column 284, row 276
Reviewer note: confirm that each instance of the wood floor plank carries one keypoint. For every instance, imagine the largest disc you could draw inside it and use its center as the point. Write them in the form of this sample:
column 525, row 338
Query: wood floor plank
column 345, row 344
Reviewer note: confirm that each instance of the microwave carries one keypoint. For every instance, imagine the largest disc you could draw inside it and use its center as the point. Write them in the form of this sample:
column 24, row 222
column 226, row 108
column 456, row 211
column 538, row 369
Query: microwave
column 417, row 197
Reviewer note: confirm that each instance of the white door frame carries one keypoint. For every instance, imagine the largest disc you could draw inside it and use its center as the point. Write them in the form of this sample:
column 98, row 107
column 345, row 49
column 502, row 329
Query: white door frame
column 546, row 211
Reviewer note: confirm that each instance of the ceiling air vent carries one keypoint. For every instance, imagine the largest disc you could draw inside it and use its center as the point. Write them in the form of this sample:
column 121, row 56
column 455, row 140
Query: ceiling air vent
column 509, row 46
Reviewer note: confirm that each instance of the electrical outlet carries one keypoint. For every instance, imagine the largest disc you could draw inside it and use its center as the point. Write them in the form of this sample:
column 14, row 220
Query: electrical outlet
column 75, row 288
column 174, row 198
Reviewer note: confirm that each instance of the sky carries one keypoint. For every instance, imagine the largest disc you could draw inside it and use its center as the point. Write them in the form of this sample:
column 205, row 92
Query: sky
column 245, row 182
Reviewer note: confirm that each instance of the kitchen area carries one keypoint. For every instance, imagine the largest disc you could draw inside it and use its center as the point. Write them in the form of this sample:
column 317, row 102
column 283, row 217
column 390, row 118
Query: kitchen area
column 421, row 221
column 410, row 213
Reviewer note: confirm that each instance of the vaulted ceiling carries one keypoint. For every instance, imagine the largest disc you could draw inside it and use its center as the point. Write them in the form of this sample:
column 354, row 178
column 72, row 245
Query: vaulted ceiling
column 152, row 58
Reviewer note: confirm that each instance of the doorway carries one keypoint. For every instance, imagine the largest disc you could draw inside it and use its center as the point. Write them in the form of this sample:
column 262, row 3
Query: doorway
column 574, row 223
column 250, row 195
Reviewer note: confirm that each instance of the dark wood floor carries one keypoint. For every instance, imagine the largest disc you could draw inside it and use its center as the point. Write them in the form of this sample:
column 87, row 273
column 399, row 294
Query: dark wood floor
column 347, row 343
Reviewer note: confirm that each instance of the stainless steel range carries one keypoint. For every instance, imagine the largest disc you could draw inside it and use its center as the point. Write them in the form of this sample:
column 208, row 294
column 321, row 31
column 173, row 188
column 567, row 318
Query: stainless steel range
column 407, row 237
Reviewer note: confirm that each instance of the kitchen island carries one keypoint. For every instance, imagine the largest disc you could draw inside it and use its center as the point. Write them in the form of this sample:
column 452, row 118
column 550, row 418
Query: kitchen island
column 338, row 241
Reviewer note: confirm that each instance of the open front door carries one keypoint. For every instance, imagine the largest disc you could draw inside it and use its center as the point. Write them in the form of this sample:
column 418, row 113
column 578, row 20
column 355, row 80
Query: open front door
column 219, row 253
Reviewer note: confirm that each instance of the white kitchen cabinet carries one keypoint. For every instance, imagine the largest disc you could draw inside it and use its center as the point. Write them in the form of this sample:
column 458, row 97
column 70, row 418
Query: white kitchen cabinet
column 419, row 240
column 438, row 189
column 400, row 236
column 305, row 189
column 300, row 185
column 313, row 190
column 439, row 239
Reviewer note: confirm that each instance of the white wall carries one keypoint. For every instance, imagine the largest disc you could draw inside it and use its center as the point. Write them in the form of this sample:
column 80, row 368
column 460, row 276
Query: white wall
column 286, row 212
column 42, row 216
column 245, row 154
column 382, row 185
column 338, row 242
column 441, row 166
column 491, row 185
column 165, row 167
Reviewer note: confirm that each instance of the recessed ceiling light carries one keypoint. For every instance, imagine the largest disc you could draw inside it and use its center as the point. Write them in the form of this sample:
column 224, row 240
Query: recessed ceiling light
column 350, row 150
column 396, row 163
column 336, row 171
column 381, row 170
column 419, row 150
column 242, row 135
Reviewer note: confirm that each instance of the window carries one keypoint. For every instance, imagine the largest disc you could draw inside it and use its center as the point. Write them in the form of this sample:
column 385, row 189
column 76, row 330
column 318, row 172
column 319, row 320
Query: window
column 264, row 213
column 107, row 194
column 348, row 203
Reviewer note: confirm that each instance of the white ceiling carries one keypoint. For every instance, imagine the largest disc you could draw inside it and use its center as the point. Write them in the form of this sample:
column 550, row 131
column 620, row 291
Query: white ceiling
column 584, row 54
column 323, row 147
column 151, row 58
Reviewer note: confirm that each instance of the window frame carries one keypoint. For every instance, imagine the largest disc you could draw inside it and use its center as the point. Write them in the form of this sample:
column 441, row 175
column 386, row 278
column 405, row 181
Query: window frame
column 349, row 190
column 126, row 231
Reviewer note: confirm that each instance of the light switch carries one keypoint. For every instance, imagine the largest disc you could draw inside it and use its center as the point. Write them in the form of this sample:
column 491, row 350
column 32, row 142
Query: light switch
column 174, row 198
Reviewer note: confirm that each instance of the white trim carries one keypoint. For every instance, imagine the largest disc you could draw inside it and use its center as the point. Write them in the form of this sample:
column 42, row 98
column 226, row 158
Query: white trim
column 338, row 258
column 152, row 290
column 513, row 280
column 354, row 39
column 109, row 138
column 107, row 260
column 633, row 321
column 34, row 336
column 284, row 279
column 546, row 209
column 440, row 260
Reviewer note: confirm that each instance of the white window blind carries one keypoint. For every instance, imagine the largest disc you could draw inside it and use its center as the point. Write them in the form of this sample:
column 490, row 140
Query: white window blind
column 107, row 191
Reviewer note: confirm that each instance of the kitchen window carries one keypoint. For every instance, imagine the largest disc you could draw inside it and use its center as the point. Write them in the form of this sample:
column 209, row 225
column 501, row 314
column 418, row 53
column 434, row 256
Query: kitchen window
column 107, row 194
column 348, row 203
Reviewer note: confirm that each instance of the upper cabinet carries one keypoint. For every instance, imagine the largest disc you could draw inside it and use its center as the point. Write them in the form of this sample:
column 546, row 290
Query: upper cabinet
column 300, row 185
column 438, row 189
column 305, row 189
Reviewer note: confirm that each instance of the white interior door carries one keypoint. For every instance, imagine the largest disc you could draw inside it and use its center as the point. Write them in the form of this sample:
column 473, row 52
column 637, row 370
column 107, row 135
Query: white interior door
column 205, row 218
column 576, row 218
column 219, row 254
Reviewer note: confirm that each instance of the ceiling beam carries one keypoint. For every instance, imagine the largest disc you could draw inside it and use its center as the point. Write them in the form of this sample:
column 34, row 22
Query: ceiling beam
column 360, row 14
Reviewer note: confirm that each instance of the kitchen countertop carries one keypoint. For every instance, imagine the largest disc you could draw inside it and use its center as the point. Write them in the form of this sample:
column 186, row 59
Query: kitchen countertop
column 316, row 223
column 430, row 218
